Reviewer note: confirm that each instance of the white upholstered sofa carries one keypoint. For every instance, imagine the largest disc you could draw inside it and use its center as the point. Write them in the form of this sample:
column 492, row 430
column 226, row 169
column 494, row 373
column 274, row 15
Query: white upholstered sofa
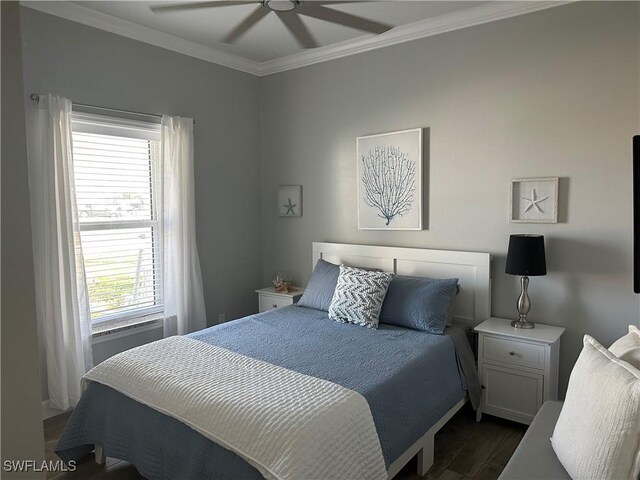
column 597, row 434
column 534, row 458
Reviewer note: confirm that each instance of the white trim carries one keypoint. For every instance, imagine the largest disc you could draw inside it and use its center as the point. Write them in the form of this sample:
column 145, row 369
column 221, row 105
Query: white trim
column 115, row 126
column 125, row 28
column 48, row 411
column 412, row 31
column 126, row 331
column 469, row 17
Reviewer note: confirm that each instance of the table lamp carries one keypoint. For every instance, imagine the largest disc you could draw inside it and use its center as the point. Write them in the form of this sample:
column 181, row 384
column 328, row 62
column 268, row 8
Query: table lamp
column 525, row 257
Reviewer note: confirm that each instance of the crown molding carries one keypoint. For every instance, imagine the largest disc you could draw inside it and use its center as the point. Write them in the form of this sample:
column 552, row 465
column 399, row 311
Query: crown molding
column 469, row 17
column 87, row 16
column 485, row 13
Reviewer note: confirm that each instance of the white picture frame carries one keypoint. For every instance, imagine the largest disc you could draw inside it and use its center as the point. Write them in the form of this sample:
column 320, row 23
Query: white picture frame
column 290, row 201
column 533, row 200
column 390, row 164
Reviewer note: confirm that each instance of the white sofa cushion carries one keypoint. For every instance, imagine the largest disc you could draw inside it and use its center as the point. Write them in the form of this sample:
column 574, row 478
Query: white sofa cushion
column 597, row 435
column 627, row 348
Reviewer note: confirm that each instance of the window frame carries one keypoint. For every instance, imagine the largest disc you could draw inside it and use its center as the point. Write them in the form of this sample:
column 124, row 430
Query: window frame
column 117, row 127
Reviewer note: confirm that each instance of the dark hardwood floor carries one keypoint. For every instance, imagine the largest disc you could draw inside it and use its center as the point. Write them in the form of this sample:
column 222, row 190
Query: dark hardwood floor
column 464, row 450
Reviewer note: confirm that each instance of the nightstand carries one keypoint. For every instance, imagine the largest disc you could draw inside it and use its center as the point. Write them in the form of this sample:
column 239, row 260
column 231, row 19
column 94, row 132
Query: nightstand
column 518, row 368
column 268, row 298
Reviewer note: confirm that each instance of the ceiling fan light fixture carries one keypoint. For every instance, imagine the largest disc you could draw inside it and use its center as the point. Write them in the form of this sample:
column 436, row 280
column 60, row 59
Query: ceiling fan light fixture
column 280, row 5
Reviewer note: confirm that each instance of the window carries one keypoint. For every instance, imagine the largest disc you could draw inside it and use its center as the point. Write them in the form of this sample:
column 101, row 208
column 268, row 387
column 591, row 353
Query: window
column 116, row 168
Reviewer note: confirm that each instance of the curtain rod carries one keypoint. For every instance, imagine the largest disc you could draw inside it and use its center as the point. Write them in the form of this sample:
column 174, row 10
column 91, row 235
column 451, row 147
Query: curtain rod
column 36, row 98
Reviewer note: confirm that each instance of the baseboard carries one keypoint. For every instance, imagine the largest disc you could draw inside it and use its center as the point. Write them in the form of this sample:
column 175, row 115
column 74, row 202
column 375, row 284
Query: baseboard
column 48, row 411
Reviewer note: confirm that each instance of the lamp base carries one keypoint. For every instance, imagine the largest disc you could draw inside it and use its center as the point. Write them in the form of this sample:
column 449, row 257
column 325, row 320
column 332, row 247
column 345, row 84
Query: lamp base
column 524, row 305
column 522, row 323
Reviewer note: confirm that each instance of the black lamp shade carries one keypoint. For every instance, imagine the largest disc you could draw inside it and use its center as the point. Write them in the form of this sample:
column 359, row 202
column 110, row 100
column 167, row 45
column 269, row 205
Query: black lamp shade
column 526, row 256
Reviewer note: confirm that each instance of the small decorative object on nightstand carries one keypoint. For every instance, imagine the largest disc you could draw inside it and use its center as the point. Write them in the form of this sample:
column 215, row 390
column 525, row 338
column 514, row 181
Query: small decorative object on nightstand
column 268, row 298
column 518, row 368
column 525, row 257
column 281, row 283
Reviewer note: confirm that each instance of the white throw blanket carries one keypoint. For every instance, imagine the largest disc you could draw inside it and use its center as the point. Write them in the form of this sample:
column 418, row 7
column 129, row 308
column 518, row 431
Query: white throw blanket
column 287, row 425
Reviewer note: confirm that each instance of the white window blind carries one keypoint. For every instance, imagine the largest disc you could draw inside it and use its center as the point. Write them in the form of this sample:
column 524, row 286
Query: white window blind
column 116, row 166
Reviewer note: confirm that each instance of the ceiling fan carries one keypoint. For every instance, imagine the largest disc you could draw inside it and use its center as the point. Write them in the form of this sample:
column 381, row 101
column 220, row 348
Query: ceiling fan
column 288, row 11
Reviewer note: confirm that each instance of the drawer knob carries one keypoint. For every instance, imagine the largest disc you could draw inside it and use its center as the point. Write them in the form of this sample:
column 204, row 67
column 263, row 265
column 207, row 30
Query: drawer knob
column 275, row 306
column 512, row 353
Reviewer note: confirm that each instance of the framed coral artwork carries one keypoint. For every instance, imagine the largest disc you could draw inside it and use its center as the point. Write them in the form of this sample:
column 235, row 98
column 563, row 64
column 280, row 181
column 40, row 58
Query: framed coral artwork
column 390, row 181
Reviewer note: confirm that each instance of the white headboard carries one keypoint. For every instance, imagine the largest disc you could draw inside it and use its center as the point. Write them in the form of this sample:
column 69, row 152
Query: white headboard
column 473, row 303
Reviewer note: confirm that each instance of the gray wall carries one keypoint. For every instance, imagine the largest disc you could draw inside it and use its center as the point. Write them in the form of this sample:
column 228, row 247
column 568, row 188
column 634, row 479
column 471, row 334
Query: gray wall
column 95, row 67
column 22, row 437
column 109, row 345
column 552, row 93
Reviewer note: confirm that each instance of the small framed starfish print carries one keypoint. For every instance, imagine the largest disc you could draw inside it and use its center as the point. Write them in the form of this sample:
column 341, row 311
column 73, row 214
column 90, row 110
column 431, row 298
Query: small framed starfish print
column 534, row 200
column 290, row 201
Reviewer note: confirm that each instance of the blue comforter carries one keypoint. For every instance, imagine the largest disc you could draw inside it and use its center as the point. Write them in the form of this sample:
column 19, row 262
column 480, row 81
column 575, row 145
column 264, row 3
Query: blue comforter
column 409, row 378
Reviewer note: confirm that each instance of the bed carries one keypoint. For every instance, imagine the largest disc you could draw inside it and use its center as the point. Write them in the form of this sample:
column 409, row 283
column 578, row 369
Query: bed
column 412, row 381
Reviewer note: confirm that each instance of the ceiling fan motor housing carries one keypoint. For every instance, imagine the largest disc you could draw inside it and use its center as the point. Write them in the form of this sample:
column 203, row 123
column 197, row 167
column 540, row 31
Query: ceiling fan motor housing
column 292, row 21
column 280, row 5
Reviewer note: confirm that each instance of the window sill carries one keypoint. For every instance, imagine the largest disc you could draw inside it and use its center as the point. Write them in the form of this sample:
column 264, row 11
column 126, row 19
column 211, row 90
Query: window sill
column 99, row 331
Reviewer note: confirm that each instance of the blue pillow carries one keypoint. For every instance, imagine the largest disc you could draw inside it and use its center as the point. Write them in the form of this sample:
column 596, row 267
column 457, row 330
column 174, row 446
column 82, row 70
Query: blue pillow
column 419, row 303
column 319, row 291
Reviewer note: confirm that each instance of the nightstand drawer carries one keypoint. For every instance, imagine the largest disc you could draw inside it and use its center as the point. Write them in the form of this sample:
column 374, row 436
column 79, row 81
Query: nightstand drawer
column 269, row 302
column 269, row 299
column 513, row 352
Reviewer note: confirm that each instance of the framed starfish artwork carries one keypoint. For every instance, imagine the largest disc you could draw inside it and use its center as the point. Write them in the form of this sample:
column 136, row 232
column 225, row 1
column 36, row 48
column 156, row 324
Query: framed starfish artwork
column 534, row 200
column 290, row 201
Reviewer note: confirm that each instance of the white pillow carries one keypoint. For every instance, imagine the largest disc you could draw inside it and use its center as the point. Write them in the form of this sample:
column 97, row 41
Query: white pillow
column 627, row 348
column 358, row 296
column 597, row 435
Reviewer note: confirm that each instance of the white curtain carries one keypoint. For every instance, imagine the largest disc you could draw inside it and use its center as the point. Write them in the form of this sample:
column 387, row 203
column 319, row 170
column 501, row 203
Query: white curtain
column 184, row 309
column 62, row 297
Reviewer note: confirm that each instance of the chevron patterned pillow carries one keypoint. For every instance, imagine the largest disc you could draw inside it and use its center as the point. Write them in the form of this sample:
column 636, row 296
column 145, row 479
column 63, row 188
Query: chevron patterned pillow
column 358, row 296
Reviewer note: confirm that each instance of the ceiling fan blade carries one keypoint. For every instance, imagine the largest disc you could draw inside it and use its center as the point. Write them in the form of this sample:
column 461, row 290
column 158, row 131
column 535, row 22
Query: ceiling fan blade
column 334, row 16
column 197, row 5
column 253, row 18
column 297, row 29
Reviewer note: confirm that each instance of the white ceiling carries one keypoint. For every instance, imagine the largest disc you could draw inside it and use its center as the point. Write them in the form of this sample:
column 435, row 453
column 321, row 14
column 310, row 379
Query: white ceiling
column 269, row 39
column 268, row 47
